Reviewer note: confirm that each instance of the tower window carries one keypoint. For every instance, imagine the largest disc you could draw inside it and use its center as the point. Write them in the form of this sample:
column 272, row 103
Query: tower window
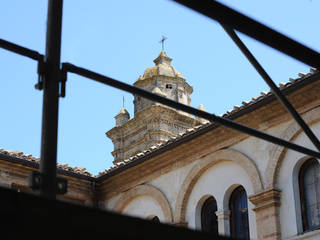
column 309, row 184
column 169, row 86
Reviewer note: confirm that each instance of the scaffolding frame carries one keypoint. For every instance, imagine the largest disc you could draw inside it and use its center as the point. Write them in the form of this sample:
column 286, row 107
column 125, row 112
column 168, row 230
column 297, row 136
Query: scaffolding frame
column 53, row 76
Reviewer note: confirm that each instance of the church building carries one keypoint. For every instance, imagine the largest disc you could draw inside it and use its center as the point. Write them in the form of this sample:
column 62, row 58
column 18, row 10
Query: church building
column 175, row 169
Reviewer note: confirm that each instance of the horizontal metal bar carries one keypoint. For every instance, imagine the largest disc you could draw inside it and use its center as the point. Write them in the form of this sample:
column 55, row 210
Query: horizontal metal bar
column 211, row 117
column 254, row 29
column 19, row 49
column 276, row 91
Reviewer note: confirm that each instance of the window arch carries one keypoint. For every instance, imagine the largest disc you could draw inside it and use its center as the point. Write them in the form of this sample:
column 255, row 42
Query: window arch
column 154, row 219
column 309, row 186
column 208, row 216
column 239, row 220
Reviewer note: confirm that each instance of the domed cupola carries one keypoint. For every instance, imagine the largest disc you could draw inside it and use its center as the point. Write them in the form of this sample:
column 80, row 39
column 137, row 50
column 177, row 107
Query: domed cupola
column 167, row 81
column 153, row 123
column 162, row 68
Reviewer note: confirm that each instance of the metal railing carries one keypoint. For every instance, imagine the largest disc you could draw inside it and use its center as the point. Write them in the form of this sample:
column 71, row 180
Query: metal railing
column 53, row 76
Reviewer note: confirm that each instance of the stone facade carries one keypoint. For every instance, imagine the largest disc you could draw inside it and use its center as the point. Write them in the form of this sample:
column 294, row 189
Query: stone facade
column 172, row 180
column 15, row 168
column 213, row 161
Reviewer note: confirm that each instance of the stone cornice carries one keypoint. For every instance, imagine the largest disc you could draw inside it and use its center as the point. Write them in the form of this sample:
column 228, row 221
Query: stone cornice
column 269, row 198
column 149, row 114
column 147, row 81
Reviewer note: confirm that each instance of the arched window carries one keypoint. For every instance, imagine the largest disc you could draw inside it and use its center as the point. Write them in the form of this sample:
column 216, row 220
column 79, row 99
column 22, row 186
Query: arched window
column 309, row 184
column 239, row 221
column 154, row 219
column 208, row 216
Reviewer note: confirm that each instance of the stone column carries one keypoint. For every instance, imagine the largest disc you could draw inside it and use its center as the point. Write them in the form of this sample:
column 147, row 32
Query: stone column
column 267, row 214
column 223, row 218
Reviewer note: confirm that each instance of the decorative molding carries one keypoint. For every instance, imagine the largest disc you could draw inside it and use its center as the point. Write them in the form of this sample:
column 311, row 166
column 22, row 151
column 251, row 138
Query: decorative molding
column 278, row 152
column 269, row 198
column 207, row 162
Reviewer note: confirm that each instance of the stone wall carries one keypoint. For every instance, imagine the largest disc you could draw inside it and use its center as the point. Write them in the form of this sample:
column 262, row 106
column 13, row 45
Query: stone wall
column 15, row 176
column 216, row 162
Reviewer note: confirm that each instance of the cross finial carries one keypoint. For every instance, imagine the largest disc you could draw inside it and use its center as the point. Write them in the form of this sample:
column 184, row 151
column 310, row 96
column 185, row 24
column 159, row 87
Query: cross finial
column 162, row 41
column 122, row 101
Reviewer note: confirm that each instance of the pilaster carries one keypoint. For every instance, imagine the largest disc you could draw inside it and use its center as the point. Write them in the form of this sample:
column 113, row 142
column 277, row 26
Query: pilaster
column 267, row 214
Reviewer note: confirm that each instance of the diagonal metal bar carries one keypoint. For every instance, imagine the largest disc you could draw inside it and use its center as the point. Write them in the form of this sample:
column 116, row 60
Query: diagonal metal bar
column 274, row 89
column 19, row 49
column 168, row 102
column 254, row 29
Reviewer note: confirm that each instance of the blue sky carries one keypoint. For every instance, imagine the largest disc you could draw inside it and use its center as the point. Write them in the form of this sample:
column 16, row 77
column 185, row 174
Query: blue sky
column 120, row 39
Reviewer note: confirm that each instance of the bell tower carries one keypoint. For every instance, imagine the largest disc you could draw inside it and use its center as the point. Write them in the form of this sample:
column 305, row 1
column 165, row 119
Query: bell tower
column 165, row 80
column 153, row 123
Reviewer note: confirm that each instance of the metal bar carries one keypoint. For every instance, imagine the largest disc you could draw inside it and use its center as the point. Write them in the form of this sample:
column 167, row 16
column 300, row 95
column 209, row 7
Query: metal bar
column 19, row 49
column 49, row 132
column 254, row 29
column 211, row 117
column 274, row 89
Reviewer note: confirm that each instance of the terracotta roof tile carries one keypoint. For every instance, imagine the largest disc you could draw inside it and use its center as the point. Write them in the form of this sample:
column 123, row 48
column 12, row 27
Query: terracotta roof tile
column 29, row 157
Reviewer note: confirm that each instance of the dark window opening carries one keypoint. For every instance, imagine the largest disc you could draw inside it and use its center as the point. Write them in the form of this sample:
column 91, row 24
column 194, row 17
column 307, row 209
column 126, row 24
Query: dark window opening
column 239, row 220
column 169, row 86
column 208, row 216
column 155, row 219
column 310, row 194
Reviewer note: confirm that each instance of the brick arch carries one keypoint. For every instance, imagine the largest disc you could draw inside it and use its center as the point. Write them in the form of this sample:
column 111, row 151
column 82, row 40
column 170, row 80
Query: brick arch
column 207, row 162
column 278, row 152
column 145, row 190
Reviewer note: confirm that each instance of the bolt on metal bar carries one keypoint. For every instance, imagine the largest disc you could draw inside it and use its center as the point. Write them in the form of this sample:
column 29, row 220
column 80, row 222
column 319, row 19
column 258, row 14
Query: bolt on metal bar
column 19, row 49
column 49, row 131
column 254, row 29
column 168, row 102
column 274, row 89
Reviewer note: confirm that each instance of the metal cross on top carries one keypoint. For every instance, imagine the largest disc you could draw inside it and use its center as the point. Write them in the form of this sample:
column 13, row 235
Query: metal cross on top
column 162, row 41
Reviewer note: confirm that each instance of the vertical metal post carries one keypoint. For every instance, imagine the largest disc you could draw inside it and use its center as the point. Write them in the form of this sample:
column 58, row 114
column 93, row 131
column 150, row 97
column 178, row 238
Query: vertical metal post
column 49, row 134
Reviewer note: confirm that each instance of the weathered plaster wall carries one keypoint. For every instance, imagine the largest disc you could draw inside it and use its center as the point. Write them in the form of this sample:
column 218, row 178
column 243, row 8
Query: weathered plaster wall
column 110, row 204
column 259, row 150
column 144, row 207
column 170, row 183
column 219, row 181
column 287, row 182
